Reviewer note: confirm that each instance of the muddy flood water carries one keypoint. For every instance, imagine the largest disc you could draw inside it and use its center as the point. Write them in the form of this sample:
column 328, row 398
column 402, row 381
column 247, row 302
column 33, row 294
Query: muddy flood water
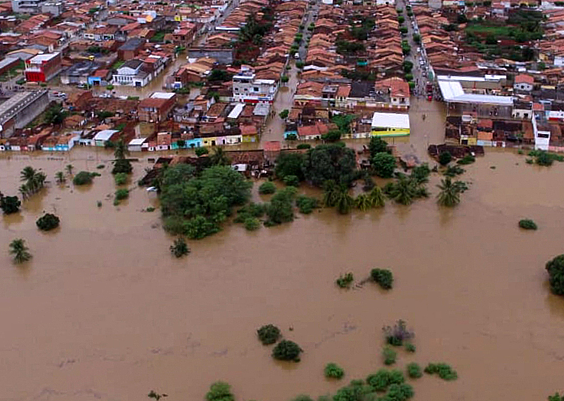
column 103, row 312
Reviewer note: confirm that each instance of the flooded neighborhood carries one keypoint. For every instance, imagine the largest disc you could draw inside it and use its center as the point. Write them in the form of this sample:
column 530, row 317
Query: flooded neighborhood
column 329, row 200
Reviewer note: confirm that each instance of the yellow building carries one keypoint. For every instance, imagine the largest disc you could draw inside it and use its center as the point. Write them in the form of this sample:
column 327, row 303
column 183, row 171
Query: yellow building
column 390, row 124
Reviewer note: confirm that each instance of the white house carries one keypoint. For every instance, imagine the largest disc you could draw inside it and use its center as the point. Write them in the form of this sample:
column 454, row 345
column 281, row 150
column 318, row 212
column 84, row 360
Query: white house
column 132, row 74
column 524, row 82
column 248, row 89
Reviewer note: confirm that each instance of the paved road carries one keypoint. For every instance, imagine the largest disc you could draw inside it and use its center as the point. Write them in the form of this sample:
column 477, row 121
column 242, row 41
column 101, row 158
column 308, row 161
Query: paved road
column 275, row 126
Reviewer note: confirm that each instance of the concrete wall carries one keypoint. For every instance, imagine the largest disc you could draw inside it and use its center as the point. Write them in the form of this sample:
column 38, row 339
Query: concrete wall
column 223, row 56
column 23, row 112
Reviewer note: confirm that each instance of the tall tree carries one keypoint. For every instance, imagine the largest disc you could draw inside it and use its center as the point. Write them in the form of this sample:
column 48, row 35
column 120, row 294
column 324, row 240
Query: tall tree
column 219, row 157
column 450, row 193
column 120, row 150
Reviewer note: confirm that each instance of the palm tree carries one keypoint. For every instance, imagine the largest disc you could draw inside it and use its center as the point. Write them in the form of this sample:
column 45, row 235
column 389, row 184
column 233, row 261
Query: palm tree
column 69, row 169
column 330, row 191
column 403, row 191
column 450, row 193
column 39, row 181
column 60, row 177
column 377, row 198
column 19, row 251
column 344, row 202
column 24, row 191
column 363, row 202
column 27, row 174
column 219, row 157
column 120, row 150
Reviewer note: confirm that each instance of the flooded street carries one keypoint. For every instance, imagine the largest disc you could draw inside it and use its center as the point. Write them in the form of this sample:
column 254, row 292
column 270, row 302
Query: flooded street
column 103, row 312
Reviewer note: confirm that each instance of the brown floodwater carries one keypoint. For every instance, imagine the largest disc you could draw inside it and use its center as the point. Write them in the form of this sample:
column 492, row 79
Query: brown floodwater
column 103, row 312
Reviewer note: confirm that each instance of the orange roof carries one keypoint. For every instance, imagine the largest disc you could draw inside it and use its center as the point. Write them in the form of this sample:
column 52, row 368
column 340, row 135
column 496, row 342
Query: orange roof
column 524, row 79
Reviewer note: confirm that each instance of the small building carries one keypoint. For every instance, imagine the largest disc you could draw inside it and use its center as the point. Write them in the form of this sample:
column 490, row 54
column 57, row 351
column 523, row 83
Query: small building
column 43, row 67
column 79, row 73
column 102, row 137
column 248, row 89
column 390, row 124
column 524, row 82
column 136, row 144
column 131, row 73
column 156, row 107
column 131, row 48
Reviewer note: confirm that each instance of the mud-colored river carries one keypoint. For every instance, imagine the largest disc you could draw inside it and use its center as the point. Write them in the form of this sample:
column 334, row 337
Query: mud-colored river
column 103, row 312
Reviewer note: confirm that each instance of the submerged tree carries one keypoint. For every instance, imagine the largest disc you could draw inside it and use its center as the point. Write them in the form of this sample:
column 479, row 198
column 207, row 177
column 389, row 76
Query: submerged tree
column 9, row 204
column 19, row 251
column 450, row 192
column 219, row 157
column 60, row 177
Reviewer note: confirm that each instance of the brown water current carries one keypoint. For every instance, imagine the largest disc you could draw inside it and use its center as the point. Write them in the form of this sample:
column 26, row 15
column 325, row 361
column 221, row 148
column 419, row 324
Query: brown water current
column 103, row 312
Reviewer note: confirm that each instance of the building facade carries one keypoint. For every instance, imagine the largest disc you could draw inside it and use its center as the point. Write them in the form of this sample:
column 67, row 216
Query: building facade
column 43, row 67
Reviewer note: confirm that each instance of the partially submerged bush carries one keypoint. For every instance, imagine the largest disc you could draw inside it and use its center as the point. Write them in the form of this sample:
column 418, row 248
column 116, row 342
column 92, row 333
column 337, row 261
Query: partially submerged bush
column 267, row 188
column 83, row 178
column 47, row 222
column 389, row 356
column 122, row 166
column 410, row 347
column 287, row 350
column 399, row 392
column 398, row 334
column 252, row 223
column 333, row 371
column 382, row 277
column 345, row 280
column 444, row 371
column 251, row 210
column 414, row 370
column 555, row 269
column 382, row 379
column 120, row 178
column 220, row 391
column 291, row 180
column 122, row 194
column 468, row 159
column 306, row 204
column 302, row 397
column 445, row 158
column 527, row 224
column 268, row 334
column 179, row 248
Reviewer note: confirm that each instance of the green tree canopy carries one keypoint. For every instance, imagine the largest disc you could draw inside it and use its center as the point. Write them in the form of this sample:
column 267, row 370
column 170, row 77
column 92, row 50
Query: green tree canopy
column 330, row 162
column 290, row 164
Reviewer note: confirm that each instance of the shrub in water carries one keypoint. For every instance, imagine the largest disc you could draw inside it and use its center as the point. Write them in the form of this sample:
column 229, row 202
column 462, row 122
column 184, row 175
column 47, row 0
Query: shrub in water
column 445, row 158
column 120, row 178
column 334, row 371
column 444, row 371
column 398, row 334
column 410, row 347
column 555, row 269
column 122, row 194
column 287, row 350
column 306, row 204
column 82, row 178
column 122, row 166
column 389, row 356
column 383, row 277
column 468, row 159
column 291, row 181
column 380, row 380
column 527, row 224
column 345, row 280
column 252, row 223
column 47, row 222
column 220, row 391
column 399, row 392
column 302, row 397
column 267, row 188
column 179, row 248
column 414, row 371
column 268, row 334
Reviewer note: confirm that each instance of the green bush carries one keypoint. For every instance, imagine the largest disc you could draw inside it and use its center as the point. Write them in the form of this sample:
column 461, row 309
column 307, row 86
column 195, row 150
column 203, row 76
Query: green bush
column 82, row 178
column 468, row 159
column 252, row 223
column 527, row 224
column 333, row 371
column 267, row 188
column 382, row 379
column 555, row 269
column 122, row 194
column 345, row 280
column 122, row 166
column 306, row 204
column 201, row 151
column 414, row 370
column 302, row 397
column 410, row 347
column 179, row 248
column 250, row 210
column 399, row 392
column 287, row 350
column 291, row 180
column 9, row 204
column 389, row 356
column 268, row 334
column 220, row 391
column 303, row 146
column 384, row 164
column 445, row 158
column 120, row 178
column 47, row 222
column 382, row 277
column 444, row 371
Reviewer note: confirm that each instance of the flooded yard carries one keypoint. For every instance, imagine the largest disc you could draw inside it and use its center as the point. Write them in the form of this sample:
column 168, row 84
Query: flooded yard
column 103, row 312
